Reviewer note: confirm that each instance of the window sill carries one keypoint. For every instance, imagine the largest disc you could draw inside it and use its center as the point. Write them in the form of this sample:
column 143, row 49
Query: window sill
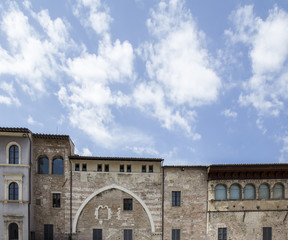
column 14, row 201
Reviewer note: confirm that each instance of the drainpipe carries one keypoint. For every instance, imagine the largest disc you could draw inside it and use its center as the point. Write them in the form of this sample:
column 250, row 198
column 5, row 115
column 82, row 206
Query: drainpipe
column 30, row 185
column 70, row 235
column 163, row 194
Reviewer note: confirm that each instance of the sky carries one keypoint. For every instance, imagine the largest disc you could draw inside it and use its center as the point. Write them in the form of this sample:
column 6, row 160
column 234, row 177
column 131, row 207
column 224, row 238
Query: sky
column 192, row 82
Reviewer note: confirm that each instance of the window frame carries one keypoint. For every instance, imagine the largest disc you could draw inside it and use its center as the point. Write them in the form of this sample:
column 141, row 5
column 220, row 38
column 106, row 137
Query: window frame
column 238, row 193
column 245, row 192
column 144, row 170
column 15, row 191
column 129, row 168
column 99, row 167
column 218, row 193
column 222, row 233
column 282, row 191
column 121, row 169
column 38, row 165
column 10, row 178
column 56, row 201
column 84, row 167
column 106, row 168
column 10, row 144
column 128, row 234
column 176, row 234
column 264, row 193
column 176, row 198
column 77, row 167
column 127, row 204
column 151, row 170
column 54, row 172
column 267, row 233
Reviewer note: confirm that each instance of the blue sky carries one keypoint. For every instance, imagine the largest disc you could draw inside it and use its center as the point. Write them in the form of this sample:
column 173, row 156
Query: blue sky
column 193, row 82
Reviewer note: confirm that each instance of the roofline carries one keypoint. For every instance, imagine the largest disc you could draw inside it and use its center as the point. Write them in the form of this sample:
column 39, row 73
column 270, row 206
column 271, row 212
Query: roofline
column 132, row 159
column 14, row 130
column 51, row 136
column 185, row 166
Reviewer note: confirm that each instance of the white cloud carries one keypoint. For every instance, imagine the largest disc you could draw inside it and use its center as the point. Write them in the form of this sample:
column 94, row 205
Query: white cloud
column 86, row 152
column 31, row 57
column 229, row 113
column 179, row 68
column 9, row 91
column 284, row 151
column 94, row 14
column 267, row 40
column 31, row 121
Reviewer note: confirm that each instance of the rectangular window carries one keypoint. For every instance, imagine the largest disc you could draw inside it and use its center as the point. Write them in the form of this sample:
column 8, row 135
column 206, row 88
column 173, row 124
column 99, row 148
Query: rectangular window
column 267, row 233
column 176, row 198
column 121, row 168
column 128, row 204
column 128, row 235
column 99, row 168
column 106, row 167
column 151, row 168
column 84, row 167
column 48, row 232
column 56, row 200
column 77, row 167
column 143, row 168
column 38, row 202
column 97, row 234
column 128, row 168
column 222, row 233
column 175, row 234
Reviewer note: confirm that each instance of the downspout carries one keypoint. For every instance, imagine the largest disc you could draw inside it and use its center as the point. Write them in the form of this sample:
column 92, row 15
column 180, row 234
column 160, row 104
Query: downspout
column 70, row 235
column 163, row 194
column 30, row 186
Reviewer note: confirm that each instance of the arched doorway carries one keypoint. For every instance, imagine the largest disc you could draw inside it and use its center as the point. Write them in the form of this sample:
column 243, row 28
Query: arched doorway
column 13, row 231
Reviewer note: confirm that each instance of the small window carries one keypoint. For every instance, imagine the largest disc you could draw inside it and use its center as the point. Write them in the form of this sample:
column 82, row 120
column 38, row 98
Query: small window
column 176, row 234
column 151, row 168
column 13, row 231
column 56, row 200
column 176, row 198
column 278, row 191
column 222, row 233
column 267, row 233
column 84, row 167
column 121, row 168
column 249, row 192
column 143, row 168
column 13, row 191
column 235, row 192
column 128, row 204
column 128, row 168
column 220, row 192
column 264, row 191
column 77, row 167
column 106, row 167
column 97, row 234
column 38, row 202
column 14, row 155
column 58, row 166
column 128, row 234
column 99, row 168
column 43, row 165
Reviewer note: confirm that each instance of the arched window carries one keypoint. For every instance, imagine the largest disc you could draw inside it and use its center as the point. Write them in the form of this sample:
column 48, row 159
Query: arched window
column 13, row 191
column 249, row 192
column 43, row 165
column 58, row 166
column 278, row 191
column 220, row 192
column 14, row 155
column 13, row 231
column 235, row 192
column 264, row 191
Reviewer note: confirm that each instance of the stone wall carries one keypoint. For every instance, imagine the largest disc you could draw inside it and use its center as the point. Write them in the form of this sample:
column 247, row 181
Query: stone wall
column 190, row 217
column 92, row 189
column 44, row 185
column 245, row 219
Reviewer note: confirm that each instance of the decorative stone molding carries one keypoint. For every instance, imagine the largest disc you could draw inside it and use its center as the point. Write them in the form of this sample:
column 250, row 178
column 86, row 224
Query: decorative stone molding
column 13, row 177
column 7, row 152
column 8, row 219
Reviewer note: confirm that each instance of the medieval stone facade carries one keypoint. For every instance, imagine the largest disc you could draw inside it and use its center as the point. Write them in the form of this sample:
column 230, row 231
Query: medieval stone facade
column 49, row 192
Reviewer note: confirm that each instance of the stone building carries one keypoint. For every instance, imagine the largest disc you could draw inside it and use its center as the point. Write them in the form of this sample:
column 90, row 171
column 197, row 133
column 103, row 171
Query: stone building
column 49, row 192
